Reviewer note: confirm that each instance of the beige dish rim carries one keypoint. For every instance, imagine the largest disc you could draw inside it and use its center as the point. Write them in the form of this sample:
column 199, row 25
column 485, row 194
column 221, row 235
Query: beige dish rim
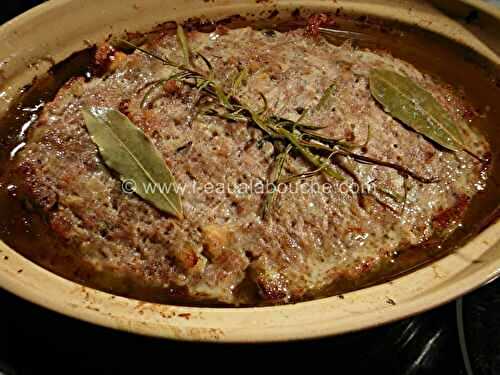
column 469, row 267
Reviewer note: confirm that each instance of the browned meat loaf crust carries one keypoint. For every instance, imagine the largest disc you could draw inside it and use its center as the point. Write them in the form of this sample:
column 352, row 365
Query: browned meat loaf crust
column 223, row 250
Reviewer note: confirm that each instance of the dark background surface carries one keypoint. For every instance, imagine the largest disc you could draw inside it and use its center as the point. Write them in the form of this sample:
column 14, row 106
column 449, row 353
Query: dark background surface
column 36, row 341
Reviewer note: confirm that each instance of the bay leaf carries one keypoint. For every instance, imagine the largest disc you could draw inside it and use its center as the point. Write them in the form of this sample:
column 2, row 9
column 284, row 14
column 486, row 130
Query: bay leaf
column 129, row 152
column 405, row 100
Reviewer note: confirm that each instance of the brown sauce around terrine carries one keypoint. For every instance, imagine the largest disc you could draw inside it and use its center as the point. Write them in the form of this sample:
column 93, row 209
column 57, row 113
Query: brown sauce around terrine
column 235, row 269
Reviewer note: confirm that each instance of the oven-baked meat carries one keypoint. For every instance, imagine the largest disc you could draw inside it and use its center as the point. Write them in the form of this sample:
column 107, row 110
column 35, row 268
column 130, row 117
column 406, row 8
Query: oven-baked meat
column 224, row 251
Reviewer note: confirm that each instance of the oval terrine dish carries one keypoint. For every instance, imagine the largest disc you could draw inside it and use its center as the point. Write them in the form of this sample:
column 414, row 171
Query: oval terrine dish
column 247, row 171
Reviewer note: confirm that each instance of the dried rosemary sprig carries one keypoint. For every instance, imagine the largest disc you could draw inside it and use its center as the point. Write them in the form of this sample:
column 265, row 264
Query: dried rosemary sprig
column 275, row 180
column 182, row 40
column 318, row 150
column 326, row 96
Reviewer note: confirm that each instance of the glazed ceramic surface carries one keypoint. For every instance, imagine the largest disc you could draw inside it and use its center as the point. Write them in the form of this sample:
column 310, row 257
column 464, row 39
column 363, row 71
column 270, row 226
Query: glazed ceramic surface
column 52, row 31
